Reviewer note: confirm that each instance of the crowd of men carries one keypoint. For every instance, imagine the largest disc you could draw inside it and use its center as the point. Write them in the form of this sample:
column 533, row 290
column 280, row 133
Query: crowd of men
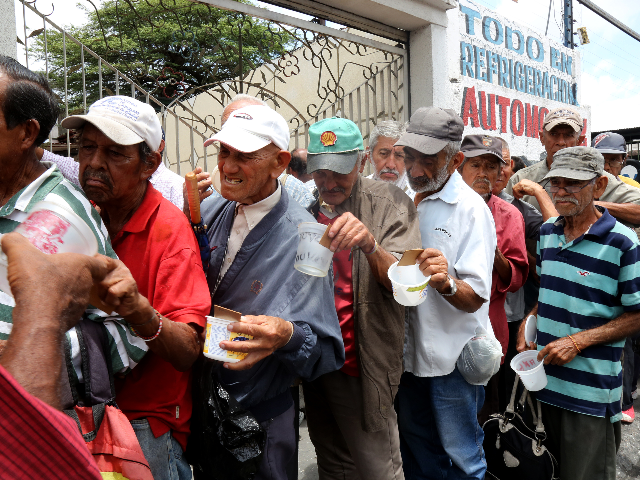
column 384, row 397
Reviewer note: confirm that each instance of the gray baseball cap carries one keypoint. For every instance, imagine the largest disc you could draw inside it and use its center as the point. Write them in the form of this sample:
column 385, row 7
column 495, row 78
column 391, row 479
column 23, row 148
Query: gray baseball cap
column 609, row 142
column 430, row 129
column 576, row 163
column 563, row 116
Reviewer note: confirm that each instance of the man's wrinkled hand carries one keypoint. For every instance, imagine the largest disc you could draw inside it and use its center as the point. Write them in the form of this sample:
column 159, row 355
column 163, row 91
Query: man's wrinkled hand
column 348, row 232
column 119, row 290
column 432, row 263
column 558, row 352
column 59, row 284
column 269, row 334
column 525, row 187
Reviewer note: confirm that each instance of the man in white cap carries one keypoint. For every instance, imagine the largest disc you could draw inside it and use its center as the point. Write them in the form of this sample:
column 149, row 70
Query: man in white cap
column 253, row 234
column 120, row 139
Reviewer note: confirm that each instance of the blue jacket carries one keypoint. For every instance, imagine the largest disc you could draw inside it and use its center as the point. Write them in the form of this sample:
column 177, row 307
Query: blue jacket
column 262, row 281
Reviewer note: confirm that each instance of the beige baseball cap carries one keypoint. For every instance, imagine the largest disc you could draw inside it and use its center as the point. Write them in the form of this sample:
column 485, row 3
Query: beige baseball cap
column 563, row 116
column 124, row 120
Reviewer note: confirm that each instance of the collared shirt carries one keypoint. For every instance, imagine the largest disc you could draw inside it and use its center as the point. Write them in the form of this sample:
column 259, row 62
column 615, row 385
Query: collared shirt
column 159, row 248
column 510, row 235
column 456, row 221
column 52, row 186
column 402, row 184
column 169, row 184
column 585, row 284
column 616, row 191
column 247, row 217
column 39, row 441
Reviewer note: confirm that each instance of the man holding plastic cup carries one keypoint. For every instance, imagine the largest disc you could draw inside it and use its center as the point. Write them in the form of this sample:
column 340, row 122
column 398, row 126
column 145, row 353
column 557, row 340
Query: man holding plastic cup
column 352, row 422
column 253, row 234
column 589, row 267
column 437, row 408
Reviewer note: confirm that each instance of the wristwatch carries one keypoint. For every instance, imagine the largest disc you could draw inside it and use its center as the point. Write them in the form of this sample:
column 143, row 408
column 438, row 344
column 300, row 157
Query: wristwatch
column 454, row 287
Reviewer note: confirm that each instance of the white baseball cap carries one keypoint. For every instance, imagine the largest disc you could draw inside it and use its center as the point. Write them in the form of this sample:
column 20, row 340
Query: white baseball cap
column 251, row 128
column 124, row 120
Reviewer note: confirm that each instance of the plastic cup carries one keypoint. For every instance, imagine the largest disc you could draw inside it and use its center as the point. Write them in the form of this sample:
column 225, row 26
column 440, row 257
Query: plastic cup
column 216, row 332
column 52, row 228
column 530, row 370
column 312, row 258
column 409, row 284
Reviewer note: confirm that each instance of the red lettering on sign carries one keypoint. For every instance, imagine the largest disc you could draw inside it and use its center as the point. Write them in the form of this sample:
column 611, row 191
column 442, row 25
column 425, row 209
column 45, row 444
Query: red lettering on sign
column 470, row 108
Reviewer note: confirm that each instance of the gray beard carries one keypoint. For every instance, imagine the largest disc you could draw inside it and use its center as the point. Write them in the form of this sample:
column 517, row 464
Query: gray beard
column 430, row 184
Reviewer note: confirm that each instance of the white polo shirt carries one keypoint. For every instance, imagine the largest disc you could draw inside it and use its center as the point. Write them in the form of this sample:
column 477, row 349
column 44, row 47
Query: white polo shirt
column 456, row 221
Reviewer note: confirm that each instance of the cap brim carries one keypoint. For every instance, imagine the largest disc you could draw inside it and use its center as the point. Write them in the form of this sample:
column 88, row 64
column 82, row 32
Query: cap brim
column 611, row 150
column 239, row 139
column 560, row 121
column 422, row 143
column 342, row 163
column 569, row 174
column 117, row 132
column 480, row 151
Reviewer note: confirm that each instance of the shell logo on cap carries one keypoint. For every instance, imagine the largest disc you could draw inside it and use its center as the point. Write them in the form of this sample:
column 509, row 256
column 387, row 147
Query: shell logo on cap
column 328, row 138
column 486, row 141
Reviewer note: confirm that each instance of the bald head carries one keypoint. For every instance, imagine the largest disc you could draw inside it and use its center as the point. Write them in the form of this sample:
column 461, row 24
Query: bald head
column 237, row 102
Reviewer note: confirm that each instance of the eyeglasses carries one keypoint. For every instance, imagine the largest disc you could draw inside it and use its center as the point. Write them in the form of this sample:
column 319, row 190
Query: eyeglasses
column 570, row 188
column 614, row 163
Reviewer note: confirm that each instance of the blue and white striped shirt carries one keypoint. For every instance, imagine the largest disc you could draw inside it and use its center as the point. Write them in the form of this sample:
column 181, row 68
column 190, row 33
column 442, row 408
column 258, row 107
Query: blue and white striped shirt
column 584, row 284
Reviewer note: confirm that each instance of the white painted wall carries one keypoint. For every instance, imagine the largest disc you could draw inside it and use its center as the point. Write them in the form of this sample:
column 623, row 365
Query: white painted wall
column 8, row 34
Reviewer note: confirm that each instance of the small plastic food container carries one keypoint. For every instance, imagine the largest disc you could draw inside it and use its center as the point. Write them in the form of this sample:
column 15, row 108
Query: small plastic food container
column 312, row 258
column 52, row 228
column 216, row 332
column 409, row 284
column 530, row 370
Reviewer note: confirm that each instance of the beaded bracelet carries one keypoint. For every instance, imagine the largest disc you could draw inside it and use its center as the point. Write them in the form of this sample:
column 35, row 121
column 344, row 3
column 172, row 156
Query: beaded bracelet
column 574, row 342
column 375, row 248
column 154, row 336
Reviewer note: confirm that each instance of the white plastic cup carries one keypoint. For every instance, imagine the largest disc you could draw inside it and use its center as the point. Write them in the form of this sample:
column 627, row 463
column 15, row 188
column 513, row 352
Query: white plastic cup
column 530, row 370
column 216, row 332
column 52, row 228
column 409, row 284
column 312, row 258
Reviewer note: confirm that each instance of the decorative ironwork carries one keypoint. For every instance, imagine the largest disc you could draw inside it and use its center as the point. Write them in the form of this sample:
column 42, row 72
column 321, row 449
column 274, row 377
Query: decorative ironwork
column 189, row 59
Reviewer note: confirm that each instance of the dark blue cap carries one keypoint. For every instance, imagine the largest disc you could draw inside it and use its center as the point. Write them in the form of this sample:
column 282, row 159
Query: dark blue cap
column 609, row 142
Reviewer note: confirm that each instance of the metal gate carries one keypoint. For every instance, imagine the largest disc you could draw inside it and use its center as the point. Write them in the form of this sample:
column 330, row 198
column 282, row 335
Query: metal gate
column 305, row 70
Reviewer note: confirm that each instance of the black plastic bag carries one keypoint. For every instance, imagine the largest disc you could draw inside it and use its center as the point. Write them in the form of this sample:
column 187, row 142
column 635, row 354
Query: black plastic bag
column 226, row 441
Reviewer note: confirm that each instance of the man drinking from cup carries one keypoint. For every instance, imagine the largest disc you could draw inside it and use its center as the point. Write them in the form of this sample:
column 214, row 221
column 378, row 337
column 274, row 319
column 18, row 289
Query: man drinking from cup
column 589, row 267
column 253, row 234
column 352, row 422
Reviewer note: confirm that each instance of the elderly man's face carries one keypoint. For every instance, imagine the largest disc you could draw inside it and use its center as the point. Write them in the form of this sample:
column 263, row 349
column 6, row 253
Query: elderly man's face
column 388, row 160
column 481, row 173
column 428, row 173
column 506, row 171
column 335, row 188
column 248, row 178
column 109, row 172
column 580, row 195
column 614, row 162
column 559, row 137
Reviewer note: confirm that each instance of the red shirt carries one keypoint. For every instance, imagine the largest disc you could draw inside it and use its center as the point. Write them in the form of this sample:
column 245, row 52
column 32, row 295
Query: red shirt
column 510, row 233
column 343, row 295
column 159, row 247
column 37, row 440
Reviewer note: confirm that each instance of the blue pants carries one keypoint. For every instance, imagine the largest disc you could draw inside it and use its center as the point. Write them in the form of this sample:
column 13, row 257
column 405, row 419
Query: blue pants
column 164, row 453
column 440, row 437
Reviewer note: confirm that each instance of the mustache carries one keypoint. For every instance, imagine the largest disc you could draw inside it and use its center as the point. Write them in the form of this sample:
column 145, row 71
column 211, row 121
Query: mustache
column 389, row 170
column 324, row 189
column 566, row 199
column 98, row 175
column 482, row 181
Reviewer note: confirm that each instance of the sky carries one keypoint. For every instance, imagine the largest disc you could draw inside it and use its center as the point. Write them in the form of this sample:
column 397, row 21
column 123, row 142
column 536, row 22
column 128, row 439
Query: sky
column 610, row 63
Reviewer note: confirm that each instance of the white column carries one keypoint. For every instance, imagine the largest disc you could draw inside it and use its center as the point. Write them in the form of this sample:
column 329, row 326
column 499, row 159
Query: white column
column 8, row 28
column 428, row 51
